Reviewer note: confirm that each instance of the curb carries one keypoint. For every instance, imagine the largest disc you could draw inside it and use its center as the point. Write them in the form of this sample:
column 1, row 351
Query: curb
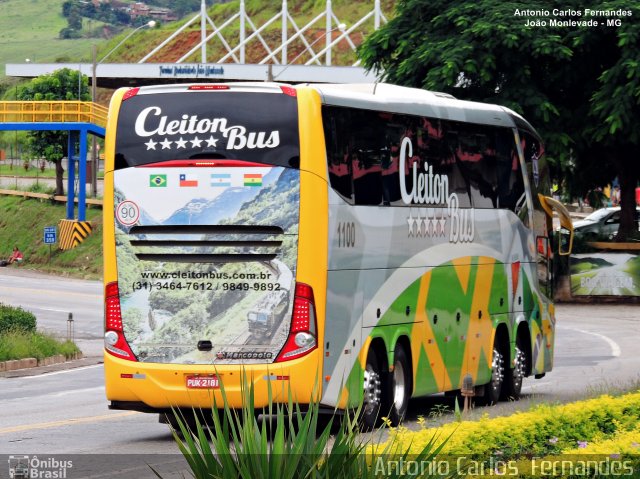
column 27, row 363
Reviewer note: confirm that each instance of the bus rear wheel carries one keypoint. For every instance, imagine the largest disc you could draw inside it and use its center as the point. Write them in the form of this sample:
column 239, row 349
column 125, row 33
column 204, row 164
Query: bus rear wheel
column 494, row 388
column 400, row 386
column 515, row 376
column 372, row 392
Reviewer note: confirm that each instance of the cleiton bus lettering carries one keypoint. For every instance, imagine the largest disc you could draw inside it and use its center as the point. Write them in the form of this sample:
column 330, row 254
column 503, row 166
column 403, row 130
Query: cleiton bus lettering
column 150, row 122
column 432, row 189
column 186, row 125
column 239, row 139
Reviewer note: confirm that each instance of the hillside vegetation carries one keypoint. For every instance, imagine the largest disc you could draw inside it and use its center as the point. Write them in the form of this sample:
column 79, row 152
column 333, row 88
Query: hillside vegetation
column 22, row 223
column 29, row 30
column 259, row 11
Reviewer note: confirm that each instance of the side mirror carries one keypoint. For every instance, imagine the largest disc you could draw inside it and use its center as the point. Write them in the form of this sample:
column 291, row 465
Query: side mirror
column 550, row 205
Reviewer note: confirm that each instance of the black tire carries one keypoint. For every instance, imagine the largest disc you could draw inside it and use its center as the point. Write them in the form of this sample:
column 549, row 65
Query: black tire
column 373, row 397
column 186, row 417
column 493, row 388
column 400, row 386
column 514, row 376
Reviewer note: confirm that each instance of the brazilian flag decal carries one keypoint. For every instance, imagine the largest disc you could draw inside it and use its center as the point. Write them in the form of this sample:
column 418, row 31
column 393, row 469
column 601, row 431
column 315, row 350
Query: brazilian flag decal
column 157, row 181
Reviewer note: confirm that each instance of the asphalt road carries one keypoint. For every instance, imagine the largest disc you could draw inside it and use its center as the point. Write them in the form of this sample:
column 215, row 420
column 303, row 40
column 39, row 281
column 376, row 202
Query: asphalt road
column 65, row 412
column 52, row 299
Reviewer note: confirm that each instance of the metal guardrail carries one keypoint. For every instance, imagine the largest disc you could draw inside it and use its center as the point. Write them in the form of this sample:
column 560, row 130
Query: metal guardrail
column 44, row 196
column 53, row 111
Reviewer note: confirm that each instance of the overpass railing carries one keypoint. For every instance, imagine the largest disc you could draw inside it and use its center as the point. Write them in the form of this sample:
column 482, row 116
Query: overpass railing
column 53, row 111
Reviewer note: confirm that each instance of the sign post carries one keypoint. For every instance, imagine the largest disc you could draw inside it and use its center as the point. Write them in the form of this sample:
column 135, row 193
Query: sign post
column 50, row 237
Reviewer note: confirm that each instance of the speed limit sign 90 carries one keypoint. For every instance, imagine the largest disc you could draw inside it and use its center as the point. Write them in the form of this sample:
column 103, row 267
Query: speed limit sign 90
column 127, row 213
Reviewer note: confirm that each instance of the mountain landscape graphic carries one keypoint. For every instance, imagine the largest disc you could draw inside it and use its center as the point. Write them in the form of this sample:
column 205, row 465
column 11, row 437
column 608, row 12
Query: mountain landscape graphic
column 226, row 205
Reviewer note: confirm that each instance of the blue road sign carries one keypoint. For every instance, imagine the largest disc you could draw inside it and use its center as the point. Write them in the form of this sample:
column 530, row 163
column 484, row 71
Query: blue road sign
column 50, row 235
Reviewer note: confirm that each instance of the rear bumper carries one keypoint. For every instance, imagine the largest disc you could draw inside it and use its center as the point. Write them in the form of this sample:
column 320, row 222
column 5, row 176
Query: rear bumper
column 153, row 387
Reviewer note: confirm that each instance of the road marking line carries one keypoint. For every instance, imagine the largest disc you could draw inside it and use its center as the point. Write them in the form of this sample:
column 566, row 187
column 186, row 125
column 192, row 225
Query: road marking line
column 55, row 373
column 52, row 292
column 615, row 348
column 55, row 394
column 66, row 422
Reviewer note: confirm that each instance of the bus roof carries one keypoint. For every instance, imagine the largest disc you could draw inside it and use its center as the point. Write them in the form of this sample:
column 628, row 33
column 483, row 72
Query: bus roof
column 415, row 101
column 377, row 96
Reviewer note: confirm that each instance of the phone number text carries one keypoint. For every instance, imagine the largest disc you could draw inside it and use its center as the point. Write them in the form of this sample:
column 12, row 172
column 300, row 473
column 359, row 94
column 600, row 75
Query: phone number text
column 203, row 286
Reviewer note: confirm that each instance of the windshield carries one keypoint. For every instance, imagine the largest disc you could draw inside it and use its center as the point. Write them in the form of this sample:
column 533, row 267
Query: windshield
column 252, row 126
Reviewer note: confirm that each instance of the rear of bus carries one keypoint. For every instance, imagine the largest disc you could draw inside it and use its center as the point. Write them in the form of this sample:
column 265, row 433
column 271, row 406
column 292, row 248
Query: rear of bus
column 206, row 280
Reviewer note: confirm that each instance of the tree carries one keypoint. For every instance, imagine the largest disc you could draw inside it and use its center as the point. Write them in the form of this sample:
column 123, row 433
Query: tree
column 614, row 125
column 67, row 7
column 579, row 85
column 62, row 84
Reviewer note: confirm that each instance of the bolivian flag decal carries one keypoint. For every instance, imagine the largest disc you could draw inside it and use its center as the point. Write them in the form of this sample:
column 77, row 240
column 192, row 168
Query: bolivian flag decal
column 253, row 179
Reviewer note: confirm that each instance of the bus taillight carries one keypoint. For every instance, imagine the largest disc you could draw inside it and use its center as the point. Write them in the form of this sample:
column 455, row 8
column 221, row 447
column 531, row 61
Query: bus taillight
column 302, row 335
column 114, row 340
column 287, row 90
column 130, row 93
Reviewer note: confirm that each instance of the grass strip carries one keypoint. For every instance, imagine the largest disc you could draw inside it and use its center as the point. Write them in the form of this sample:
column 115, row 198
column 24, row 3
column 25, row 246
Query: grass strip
column 20, row 345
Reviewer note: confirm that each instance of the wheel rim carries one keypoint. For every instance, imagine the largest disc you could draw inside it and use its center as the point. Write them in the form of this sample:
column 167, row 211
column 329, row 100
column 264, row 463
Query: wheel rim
column 518, row 369
column 497, row 371
column 372, row 391
column 399, row 388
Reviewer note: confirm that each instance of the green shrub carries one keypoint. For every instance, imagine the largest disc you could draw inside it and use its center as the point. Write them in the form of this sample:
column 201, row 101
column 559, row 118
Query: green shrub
column 16, row 319
column 542, row 431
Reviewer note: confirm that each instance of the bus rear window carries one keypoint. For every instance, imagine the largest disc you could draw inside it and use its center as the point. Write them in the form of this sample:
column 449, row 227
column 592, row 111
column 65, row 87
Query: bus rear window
column 254, row 127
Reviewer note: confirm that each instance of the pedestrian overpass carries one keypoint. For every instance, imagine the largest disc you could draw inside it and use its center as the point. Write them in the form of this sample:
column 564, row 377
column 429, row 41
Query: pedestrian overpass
column 288, row 48
column 80, row 119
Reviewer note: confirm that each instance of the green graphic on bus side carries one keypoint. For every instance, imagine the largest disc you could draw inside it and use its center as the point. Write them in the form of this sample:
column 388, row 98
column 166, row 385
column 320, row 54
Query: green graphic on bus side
column 451, row 323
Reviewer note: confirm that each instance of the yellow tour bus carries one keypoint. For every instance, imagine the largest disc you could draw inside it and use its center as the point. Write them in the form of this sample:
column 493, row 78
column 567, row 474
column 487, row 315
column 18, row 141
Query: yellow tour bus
column 342, row 244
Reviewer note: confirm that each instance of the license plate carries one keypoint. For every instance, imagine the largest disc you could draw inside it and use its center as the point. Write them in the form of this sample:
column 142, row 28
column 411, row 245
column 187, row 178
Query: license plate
column 203, row 382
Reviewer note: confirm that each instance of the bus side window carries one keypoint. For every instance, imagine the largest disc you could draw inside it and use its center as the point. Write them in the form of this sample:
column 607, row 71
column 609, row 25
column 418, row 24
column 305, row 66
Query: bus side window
column 391, row 162
column 470, row 148
column 335, row 123
column 368, row 151
column 511, row 194
column 460, row 182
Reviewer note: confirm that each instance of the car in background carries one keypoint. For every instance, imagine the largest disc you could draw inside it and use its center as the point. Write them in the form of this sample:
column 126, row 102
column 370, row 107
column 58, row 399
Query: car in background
column 601, row 224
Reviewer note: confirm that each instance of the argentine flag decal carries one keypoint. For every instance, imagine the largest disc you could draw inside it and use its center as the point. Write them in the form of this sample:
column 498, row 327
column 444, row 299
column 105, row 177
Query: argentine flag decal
column 221, row 179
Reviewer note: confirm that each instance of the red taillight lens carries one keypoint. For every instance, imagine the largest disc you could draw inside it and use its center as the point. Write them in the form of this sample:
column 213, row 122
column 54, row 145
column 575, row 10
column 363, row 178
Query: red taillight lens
column 114, row 340
column 130, row 93
column 302, row 335
column 113, row 316
column 287, row 90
